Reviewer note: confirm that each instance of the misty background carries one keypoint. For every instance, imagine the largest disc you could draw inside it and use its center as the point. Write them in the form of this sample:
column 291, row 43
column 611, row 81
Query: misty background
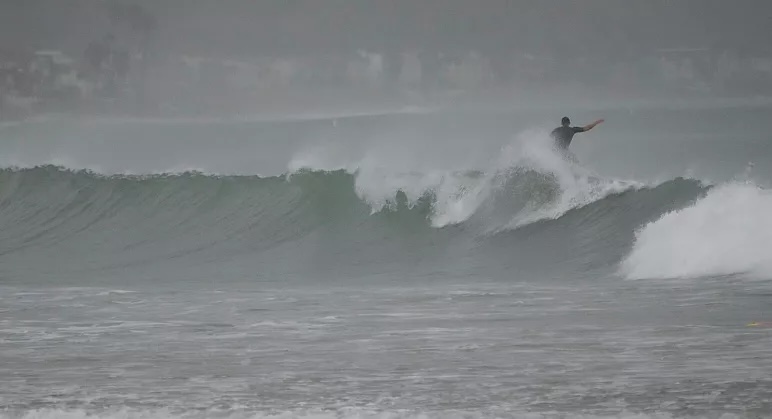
column 201, row 56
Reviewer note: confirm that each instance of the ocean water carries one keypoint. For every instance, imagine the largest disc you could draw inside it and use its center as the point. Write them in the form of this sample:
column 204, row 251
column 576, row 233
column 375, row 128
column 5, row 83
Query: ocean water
column 423, row 263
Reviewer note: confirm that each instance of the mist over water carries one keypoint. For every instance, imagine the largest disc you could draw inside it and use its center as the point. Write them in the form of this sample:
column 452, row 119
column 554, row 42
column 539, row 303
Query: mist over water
column 266, row 217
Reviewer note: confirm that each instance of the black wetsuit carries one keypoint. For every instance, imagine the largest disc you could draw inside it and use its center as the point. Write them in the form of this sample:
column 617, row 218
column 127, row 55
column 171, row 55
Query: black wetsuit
column 564, row 135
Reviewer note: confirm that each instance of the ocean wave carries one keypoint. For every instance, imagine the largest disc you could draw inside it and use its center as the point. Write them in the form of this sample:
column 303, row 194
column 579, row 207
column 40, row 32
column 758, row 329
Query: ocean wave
column 90, row 221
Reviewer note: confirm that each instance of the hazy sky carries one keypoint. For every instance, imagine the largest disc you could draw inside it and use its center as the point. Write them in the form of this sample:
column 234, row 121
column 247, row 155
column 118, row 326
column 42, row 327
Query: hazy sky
column 593, row 27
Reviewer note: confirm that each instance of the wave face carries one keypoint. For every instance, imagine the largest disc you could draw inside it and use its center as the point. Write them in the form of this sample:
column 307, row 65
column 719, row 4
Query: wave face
column 326, row 221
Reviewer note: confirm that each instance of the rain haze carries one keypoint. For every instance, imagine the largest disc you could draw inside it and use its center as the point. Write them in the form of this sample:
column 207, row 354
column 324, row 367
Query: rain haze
column 385, row 209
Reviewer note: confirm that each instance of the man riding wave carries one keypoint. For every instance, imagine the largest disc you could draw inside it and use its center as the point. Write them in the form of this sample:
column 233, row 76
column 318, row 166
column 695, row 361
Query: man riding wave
column 565, row 132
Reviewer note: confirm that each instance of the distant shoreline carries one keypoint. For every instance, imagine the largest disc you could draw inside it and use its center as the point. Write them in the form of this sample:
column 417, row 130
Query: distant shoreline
column 341, row 104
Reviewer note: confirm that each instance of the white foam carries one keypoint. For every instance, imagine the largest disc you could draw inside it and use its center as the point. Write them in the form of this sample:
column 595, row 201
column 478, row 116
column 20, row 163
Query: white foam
column 727, row 232
column 458, row 200
column 382, row 171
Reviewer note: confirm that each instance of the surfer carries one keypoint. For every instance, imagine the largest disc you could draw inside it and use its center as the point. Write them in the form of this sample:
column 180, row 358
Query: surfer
column 565, row 132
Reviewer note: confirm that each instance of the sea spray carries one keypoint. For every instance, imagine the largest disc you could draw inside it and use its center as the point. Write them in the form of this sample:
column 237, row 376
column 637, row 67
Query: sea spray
column 727, row 232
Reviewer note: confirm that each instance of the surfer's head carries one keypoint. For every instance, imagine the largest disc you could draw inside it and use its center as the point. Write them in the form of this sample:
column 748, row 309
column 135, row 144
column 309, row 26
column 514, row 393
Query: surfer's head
column 565, row 121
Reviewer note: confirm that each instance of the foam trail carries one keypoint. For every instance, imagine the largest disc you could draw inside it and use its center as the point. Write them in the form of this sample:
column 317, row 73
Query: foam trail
column 727, row 232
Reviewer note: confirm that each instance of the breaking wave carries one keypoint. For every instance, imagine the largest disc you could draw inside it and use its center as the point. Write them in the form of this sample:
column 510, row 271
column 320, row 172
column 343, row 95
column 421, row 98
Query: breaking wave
column 533, row 207
column 727, row 232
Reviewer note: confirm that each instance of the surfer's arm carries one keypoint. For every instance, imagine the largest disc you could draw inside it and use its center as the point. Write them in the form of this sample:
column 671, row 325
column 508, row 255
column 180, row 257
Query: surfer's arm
column 591, row 126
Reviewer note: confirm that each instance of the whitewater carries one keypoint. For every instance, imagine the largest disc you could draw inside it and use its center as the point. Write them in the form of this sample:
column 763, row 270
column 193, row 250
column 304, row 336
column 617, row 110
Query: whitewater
column 386, row 265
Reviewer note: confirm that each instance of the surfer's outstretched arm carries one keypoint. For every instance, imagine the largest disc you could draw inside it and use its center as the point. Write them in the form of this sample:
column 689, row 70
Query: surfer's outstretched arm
column 591, row 126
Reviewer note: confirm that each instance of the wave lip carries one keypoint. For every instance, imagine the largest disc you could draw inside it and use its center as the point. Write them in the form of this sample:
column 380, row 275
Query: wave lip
column 727, row 232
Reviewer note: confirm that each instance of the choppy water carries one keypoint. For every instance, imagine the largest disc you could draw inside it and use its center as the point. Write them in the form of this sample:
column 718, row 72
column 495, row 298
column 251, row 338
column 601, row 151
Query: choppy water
column 407, row 265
